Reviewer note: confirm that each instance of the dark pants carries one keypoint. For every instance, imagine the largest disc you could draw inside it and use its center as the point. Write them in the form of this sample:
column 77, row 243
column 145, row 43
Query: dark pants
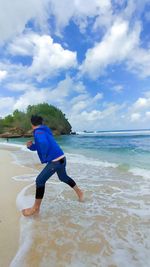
column 60, row 168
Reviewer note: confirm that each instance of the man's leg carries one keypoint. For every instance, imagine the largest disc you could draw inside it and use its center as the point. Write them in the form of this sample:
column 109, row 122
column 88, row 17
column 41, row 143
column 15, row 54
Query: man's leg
column 41, row 179
column 62, row 175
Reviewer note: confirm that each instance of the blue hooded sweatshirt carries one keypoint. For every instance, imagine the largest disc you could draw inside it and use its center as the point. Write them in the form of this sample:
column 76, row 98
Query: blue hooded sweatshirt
column 45, row 144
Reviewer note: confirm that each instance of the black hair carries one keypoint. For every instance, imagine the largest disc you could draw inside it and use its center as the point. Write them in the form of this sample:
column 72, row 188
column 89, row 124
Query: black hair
column 36, row 120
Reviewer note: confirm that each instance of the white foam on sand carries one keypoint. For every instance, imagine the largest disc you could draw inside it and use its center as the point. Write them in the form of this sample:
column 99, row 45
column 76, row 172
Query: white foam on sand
column 11, row 145
column 25, row 243
column 24, row 201
column 25, row 177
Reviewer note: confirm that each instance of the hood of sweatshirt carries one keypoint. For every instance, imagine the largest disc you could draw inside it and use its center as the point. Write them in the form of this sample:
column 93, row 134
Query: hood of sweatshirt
column 43, row 128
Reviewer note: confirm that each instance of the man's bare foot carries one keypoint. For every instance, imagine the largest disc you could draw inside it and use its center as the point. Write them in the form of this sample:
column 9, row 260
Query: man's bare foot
column 78, row 192
column 30, row 211
column 80, row 195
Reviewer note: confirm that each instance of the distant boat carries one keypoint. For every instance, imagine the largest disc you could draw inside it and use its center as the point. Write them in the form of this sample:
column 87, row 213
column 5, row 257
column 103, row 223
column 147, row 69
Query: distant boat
column 88, row 131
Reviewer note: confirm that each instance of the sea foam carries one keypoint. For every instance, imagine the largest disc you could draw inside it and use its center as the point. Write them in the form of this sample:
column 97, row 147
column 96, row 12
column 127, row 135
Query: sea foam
column 140, row 172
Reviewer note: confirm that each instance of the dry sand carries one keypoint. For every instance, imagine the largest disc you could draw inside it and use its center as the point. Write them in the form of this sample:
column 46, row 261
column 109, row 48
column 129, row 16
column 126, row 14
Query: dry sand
column 9, row 215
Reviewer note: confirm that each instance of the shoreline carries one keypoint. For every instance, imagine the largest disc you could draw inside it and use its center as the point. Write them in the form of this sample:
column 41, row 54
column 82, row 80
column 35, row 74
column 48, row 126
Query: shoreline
column 10, row 216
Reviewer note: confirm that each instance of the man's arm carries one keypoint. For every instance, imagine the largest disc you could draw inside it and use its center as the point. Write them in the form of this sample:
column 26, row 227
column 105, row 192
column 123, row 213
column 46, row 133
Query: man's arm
column 42, row 144
column 31, row 146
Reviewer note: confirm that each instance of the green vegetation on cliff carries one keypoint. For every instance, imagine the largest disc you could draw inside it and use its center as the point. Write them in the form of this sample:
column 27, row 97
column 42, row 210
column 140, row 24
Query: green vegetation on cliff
column 19, row 122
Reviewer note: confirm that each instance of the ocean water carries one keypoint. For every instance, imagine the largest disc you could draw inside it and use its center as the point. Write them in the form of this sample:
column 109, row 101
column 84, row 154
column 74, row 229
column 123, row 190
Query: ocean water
column 111, row 227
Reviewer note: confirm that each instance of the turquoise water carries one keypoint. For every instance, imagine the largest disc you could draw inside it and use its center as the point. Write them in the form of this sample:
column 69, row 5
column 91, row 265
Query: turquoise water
column 124, row 149
column 127, row 149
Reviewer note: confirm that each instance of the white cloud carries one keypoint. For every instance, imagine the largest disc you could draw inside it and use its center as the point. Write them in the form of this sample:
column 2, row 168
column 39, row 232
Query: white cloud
column 6, row 105
column 97, row 119
column 141, row 103
column 30, row 98
column 118, row 88
column 62, row 90
column 147, row 114
column 19, row 86
column 14, row 15
column 132, row 9
column 58, row 95
column 138, row 112
column 109, row 115
column 84, row 101
column 3, row 74
column 48, row 58
column 79, row 11
column 116, row 46
column 15, row 72
column 121, row 43
column 80, row 87
column 135, row 117
column 139, row 62
column 81, row 97
column 94, row 115
column 98, row 96
column 23, row 44
column 35, row 95
column 81, row 105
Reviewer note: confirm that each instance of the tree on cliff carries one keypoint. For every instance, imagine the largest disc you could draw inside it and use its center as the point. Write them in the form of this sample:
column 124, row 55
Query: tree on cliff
column 20, row 121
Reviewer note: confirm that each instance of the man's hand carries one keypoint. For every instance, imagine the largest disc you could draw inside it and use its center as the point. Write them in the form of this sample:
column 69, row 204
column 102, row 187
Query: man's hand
column 29, row 143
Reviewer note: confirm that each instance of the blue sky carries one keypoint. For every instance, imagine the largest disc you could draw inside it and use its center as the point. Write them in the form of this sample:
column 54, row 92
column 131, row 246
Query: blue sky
column 89, row 58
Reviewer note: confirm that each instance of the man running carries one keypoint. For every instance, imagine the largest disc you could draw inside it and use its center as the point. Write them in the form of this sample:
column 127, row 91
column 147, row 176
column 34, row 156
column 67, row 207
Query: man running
column 50, row 153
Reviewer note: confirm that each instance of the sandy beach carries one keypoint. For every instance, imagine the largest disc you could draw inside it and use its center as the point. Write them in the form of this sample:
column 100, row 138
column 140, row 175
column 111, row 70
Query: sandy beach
column 9, row 215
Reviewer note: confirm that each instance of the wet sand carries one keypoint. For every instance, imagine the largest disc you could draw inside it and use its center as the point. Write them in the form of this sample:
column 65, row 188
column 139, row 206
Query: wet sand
column 9, row 215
